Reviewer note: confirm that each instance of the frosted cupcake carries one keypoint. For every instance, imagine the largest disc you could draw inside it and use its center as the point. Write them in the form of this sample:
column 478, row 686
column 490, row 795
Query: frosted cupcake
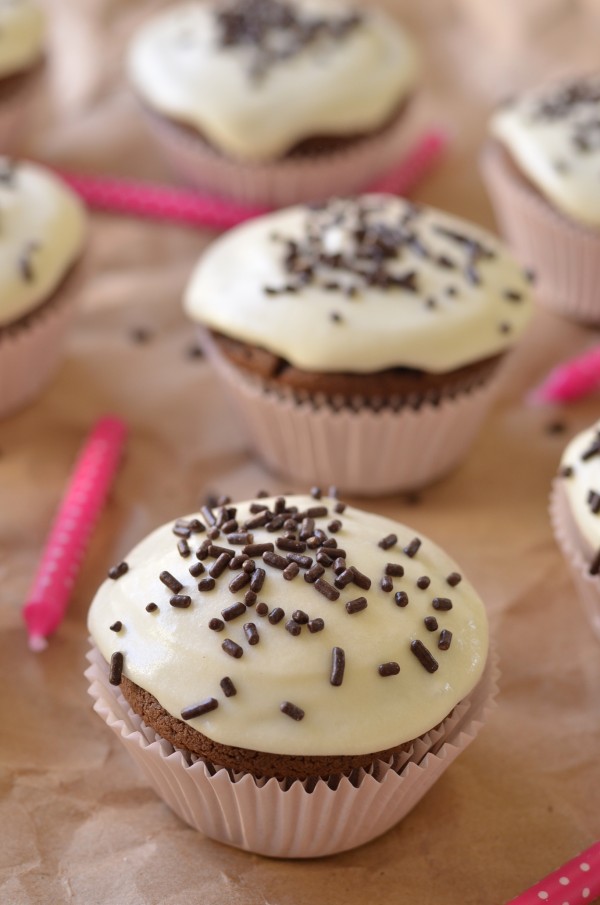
column 21, row 50
column 42, row 237
column 360, row 340
column 301, row 667
column 275, row 102
column 575, row 510
column 541, row 167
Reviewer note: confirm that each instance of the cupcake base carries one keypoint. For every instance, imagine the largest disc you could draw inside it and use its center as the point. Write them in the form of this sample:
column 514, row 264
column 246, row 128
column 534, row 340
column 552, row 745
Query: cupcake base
column 564, row 255
column 290, row 180
column 31, row 348
column 297, row 819
column 361, row 449
column 588, row 586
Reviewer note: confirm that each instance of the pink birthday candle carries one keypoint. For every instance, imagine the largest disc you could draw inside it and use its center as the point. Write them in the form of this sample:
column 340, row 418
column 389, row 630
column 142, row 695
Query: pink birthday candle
column 572, row 380
column 159, row 202
column 575, row 883
column 81, row 504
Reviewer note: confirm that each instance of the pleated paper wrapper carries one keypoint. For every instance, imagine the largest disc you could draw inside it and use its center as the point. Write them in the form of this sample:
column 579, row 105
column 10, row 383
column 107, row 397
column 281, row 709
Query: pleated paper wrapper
column 588, row 586
column 360, row 450
column 297, row 819
column 30, row 354
column 279, row 183
column 564, row 255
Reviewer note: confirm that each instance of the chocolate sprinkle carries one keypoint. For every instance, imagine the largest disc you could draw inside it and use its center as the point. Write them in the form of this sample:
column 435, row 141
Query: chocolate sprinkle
column 412, row 548
column 424, row 656
column 314, row 573
column 595, row 564
column 233, row 649
column 171, row 582
column 117, row 571
column 258, row 549
column 441, row 603
column 216, row 625
column 386, row 583
column 300, row 617
column 362, row 581
column 395, row 569
column 454, row 579
column 276, row 615
column 257, row 580
column 423, row 582
column 238, row 582
column 445, row 639
column 116, row 668
column 116, row 626
column 401, row 598
column 356, row 605
column 250, row 598
column 386, row 542
column 315, row 625
column 196, row 569
column 188, row 713
column 180, row 601
column 219, row 565
column 227, row 687
column 327, row 590
column 183, row 548
column 292, row 627
column 275, row 560
column 431, row 623
column 233, row 611
column 262, row 609
column 388, row 669
column 292, row 710
column 251, row 633
column 151, row 607
column 207, row 584
column 338, row 665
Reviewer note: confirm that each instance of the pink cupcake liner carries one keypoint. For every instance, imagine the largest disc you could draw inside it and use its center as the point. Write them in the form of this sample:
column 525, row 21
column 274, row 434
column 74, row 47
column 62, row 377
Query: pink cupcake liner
column 282, row 182
column 564, row 255
column 360, row 450
column 297, row 819
column 30, row 354
column 588, row 586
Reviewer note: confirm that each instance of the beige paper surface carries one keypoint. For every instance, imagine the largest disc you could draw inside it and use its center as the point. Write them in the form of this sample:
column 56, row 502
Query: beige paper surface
column 77, row 823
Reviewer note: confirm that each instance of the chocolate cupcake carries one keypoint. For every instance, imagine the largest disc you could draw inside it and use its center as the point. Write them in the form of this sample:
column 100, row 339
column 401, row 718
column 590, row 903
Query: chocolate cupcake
column 275, row 101
column 575, row 510
column 21, row 49
column 541, row 167
column 42, row 237
column 360, row 339
column 295, row 646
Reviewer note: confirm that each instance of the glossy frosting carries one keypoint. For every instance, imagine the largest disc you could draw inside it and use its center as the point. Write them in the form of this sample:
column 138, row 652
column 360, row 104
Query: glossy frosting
column 455, row 313
column 172, row 654
column 21, row 35
column 42, row 234
column 584, row 477
column 334, row 85
column 553, row 135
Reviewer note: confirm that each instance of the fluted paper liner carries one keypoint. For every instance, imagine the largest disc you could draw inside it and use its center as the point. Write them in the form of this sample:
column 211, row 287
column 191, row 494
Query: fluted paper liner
column 360, row 450
column 300, row 819
column 283, row 182
column 31, row 353
column 588, row 586
column 564, row 255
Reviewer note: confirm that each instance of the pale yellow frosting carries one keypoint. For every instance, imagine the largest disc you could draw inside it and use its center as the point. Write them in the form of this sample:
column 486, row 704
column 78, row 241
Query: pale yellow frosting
column 333, row 86
column 448, row 322
column 556, row 143
column 42, row 232
column 175, row 656
column 585, row 477
column 21, row 35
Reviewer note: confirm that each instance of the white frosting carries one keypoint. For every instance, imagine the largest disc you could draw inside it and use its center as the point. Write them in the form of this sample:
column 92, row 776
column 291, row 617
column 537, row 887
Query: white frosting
column 545, row 150
column 333, row 86
column 172, row 654
column 21, row 35
column 379, row 328
column 585, row 478
column 42, row 231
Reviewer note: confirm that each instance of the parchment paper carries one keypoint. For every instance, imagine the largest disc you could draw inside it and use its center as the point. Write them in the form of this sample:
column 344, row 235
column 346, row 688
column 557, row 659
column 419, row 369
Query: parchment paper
column 76, row 822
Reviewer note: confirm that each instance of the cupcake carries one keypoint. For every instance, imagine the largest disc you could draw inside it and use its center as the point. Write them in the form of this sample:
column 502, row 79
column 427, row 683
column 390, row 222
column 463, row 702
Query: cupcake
column 360, row 339
column 21, row 49
column 541, row 167
column 291, row 674
column 42, row 237
column 275, row 101
column 575, row 511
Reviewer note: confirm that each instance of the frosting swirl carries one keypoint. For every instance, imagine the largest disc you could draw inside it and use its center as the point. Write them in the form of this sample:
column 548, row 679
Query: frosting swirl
column 42, row 231
column 361, row 285
column 223, row 68
column 327, row 657
column 553, row 134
